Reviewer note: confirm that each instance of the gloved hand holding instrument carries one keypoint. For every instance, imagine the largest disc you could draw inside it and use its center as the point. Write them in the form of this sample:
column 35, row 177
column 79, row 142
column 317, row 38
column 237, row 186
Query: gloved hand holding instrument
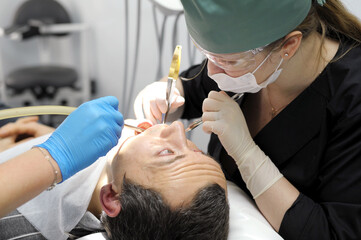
column 85, row 135
column 223, row 116
column 158, row 99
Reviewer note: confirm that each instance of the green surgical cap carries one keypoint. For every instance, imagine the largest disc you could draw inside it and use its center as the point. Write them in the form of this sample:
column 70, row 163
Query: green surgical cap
column 229, row 26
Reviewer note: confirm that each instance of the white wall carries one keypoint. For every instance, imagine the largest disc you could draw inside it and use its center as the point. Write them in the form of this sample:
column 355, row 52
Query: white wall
column 107, row 18
column 354, row 6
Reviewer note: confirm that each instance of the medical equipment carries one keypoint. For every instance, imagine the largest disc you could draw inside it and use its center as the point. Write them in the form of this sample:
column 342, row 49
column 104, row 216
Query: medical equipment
column 172, row 78
column 45, row 110
column 137, row 129
column 198, row 122
column 46, row 77
column 170, row 86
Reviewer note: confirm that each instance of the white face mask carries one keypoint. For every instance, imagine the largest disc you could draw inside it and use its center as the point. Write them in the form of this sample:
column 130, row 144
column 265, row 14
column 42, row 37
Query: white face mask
column 246, row 82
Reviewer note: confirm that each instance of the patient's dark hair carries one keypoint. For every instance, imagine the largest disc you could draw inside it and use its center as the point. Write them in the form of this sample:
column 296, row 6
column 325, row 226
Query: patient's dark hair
column 144, row 215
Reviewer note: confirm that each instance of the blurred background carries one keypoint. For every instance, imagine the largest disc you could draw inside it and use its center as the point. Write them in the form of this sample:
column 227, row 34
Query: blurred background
column 97, row 48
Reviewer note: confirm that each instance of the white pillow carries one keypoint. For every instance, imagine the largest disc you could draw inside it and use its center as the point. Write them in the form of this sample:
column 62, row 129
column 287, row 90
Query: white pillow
column 246, row 221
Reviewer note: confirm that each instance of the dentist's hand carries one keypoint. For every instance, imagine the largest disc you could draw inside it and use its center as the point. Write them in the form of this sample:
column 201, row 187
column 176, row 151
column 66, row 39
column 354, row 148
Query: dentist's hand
column 223, row 116
column 85, row 135
column 152, row 101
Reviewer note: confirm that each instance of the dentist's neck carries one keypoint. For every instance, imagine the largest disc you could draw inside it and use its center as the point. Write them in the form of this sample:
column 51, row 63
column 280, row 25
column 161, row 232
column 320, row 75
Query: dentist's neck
column 305, row 66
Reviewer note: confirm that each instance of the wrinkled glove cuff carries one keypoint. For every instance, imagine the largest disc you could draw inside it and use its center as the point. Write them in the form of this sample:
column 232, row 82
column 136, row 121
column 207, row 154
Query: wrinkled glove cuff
column 66, row 168
column 258, row 171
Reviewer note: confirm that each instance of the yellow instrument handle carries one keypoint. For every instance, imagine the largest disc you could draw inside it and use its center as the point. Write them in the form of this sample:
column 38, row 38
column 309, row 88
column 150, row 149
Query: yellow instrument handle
column 175, row 64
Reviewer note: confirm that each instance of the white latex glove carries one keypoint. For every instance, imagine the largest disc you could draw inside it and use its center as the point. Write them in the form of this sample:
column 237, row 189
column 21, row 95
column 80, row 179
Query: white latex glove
column 223, row 116
column 151, row 102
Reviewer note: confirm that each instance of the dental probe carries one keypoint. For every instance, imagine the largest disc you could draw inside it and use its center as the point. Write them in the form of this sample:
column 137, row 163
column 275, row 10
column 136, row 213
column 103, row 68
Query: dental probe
column 172, row 78
column 46, row 110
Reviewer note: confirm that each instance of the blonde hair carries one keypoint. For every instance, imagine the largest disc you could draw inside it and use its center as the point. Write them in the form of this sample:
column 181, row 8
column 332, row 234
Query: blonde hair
column 335, row 18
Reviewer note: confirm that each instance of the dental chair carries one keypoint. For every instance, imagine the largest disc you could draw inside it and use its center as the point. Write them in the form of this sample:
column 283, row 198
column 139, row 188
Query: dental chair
column 44, row 21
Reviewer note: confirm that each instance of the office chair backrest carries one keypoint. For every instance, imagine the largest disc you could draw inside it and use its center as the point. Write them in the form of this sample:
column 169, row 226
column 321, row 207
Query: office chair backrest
column 45, row 11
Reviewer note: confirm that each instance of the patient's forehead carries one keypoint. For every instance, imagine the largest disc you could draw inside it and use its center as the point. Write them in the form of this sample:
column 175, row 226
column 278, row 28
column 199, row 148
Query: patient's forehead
column 177, row 182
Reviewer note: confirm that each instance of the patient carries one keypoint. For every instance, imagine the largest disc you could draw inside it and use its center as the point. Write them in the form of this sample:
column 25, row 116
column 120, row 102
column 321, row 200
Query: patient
column 164, row 187
column 159, row 186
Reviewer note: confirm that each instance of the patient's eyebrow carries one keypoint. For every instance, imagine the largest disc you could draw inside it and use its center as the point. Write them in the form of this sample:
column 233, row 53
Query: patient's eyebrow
column 169, row 160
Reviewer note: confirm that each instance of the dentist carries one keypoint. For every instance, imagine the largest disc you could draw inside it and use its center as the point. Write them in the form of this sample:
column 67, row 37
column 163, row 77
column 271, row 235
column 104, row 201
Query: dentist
column 294, row 141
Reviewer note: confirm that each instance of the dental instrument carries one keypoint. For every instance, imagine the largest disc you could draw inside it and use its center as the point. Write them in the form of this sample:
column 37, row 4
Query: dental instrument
column 172, row 78
column 45, row 110
column 137, row 129
column 198, row 122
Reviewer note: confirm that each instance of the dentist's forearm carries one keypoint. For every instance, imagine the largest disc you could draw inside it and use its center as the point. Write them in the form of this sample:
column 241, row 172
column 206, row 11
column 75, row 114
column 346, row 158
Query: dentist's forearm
column 273, row 193
column 276, row 200
column 24, row 177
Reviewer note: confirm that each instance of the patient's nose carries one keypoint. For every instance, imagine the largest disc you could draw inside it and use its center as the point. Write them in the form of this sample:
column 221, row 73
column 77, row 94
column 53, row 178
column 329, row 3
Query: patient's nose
column 175, row 133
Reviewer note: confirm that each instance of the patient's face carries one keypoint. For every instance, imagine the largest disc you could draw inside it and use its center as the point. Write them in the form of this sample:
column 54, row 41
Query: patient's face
column 163, row 159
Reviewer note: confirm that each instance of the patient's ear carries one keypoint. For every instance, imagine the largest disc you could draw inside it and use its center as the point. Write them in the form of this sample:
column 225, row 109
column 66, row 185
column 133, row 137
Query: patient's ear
column 110, row 201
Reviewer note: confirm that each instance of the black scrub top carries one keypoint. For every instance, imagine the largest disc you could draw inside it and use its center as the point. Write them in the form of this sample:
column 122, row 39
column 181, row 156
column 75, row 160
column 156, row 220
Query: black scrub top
column 316, row 144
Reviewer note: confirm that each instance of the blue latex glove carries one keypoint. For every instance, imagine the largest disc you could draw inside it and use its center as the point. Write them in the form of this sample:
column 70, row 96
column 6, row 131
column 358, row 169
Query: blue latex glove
column 85, row 135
